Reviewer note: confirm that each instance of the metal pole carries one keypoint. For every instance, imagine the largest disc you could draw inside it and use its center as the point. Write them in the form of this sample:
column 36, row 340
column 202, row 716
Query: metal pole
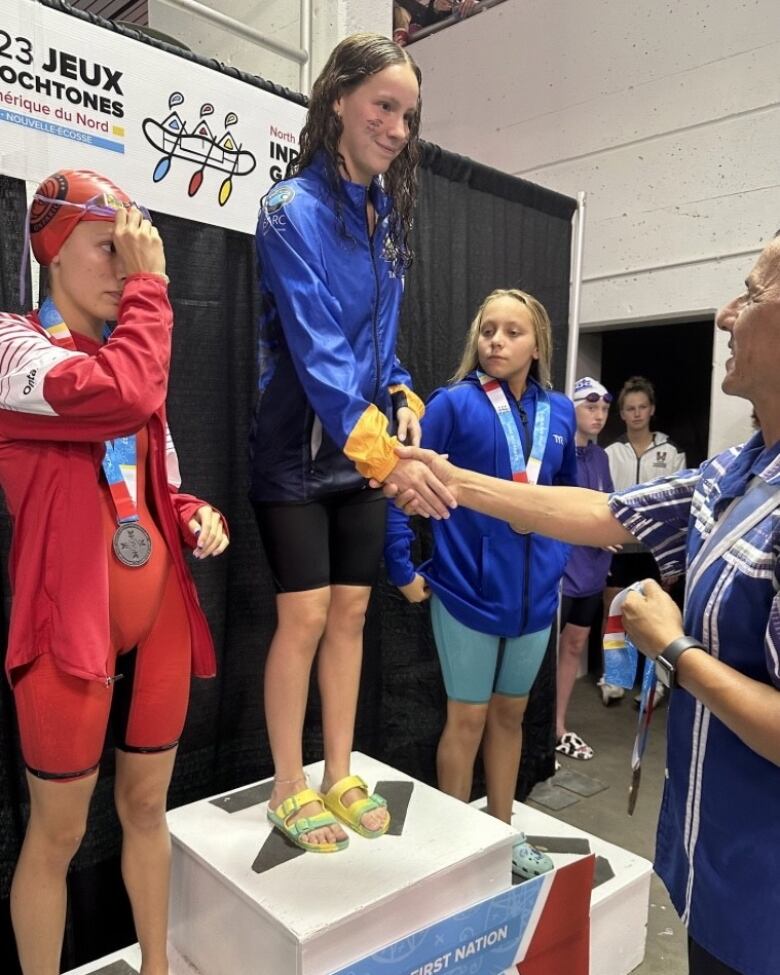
column 576, row 293
column 306, row 33
column 235, row 27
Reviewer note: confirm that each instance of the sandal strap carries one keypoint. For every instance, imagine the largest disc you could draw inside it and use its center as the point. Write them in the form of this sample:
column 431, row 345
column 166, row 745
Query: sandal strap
column 575, row 739
column 293, row 803
column 359, row 807
column 344, row 785
column 306, row 824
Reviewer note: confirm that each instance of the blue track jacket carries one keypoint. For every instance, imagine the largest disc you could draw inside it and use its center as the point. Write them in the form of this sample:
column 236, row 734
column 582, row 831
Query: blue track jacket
column 488, row 576
column 329, row 378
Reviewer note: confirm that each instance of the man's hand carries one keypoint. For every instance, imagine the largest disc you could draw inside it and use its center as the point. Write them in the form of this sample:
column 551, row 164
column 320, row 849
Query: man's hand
column 409, row 430
column 651, row 619
column 417, row 590
column 137, row 243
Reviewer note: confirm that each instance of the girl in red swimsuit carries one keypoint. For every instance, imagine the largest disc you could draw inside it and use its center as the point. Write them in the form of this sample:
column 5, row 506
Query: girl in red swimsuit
column 101, row 589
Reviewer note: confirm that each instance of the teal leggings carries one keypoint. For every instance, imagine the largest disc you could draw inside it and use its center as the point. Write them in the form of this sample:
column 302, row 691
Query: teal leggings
column 476, row 665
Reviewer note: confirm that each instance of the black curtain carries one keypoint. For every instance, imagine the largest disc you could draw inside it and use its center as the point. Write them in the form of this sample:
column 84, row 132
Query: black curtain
column 476, row 229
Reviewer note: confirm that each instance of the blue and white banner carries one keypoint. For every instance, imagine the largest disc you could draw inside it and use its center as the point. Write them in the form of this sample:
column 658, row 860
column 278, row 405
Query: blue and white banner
column 499, row 935
column 179, row 137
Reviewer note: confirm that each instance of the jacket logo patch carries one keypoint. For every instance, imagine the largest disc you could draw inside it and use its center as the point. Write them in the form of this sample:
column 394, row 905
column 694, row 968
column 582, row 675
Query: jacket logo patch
column 660, row 458
column 29, row 382
column 559, row 439
column 390, row 253
column 278, row 198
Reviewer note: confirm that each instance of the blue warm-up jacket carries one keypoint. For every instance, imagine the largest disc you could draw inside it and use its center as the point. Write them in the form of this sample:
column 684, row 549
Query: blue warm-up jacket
column 488, row 576
column 329, row 377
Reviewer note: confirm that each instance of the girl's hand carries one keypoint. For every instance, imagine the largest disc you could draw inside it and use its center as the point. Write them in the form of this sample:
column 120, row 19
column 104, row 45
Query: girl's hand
column 417, row 590
column 409, row 431
column 207, row 525
column 137, row 243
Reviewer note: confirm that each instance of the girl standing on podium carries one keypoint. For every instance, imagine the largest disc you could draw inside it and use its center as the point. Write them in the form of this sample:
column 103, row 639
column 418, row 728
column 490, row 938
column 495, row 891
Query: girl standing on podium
column 493, row 592
column 101, row 589
column 332, row 245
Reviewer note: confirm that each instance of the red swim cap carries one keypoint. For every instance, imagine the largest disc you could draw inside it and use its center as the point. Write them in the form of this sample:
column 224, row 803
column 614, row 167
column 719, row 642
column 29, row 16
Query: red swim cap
column 52, row 221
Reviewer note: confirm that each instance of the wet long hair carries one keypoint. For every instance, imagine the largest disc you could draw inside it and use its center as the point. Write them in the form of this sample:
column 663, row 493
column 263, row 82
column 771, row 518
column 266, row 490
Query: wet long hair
column 541, row 367
column 351, row 62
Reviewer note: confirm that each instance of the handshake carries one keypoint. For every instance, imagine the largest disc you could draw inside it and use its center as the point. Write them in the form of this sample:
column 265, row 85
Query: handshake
column 422, row 483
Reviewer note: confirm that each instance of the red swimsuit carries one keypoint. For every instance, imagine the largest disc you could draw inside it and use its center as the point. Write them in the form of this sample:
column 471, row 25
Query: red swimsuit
column 62, row 718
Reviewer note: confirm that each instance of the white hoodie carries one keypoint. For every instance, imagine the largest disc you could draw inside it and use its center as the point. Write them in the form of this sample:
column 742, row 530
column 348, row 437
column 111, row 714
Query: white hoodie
column 661, row 458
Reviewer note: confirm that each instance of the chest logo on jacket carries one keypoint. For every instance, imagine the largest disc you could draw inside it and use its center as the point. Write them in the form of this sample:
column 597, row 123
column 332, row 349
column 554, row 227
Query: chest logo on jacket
column 660, row 458
column 390, row 253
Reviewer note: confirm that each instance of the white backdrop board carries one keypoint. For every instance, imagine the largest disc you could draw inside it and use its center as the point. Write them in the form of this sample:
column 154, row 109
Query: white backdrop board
column 180, row 137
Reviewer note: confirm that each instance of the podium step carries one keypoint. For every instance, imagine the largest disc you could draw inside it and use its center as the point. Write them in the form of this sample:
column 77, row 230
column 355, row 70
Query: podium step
column 437, row 891
column 244, row 901
column 620, row 897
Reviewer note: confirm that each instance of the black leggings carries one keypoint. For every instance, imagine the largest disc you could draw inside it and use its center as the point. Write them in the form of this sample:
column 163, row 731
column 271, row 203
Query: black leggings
column 701, row 962
column 333, row 541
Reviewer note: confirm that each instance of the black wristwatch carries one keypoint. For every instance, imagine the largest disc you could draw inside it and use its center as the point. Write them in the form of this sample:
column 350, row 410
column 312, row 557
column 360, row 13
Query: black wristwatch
column 666, row 661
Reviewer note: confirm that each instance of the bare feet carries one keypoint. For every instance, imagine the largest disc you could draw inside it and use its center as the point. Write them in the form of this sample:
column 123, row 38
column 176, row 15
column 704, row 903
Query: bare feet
column 289, row 787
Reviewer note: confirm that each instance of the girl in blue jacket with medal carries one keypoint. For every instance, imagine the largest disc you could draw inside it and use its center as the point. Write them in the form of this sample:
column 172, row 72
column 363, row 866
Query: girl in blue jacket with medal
column 332, row 246
column 493, row 592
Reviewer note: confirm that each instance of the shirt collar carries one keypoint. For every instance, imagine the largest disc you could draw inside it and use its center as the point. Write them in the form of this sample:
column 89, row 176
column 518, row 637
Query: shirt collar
column 355, row 193
column 754, row 459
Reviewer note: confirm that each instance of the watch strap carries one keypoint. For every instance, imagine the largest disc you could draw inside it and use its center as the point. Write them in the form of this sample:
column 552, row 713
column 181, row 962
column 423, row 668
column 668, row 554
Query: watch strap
column 666, row 661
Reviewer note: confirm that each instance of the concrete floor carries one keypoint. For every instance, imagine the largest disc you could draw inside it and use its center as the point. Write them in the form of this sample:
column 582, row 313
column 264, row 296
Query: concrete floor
column 610, row 732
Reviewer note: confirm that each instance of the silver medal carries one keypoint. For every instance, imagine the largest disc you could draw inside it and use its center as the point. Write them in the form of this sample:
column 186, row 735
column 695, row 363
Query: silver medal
column 132, row 544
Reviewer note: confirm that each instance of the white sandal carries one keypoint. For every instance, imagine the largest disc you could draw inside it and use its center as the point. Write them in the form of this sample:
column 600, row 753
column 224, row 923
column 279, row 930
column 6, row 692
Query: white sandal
column 573, row 746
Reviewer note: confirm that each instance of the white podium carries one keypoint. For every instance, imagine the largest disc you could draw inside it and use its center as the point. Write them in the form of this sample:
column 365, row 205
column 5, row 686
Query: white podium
column 436, row 897
column 316, row 913
column 620, row 899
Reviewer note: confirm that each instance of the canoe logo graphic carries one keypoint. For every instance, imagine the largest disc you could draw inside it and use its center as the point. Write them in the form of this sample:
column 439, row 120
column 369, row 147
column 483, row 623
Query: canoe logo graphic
column 197, row 148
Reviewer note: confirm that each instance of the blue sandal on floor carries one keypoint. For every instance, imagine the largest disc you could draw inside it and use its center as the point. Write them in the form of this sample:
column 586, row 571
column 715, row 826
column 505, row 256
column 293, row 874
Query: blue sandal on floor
column 527, row 861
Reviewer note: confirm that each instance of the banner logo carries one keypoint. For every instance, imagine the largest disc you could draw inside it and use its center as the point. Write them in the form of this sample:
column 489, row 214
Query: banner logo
column 199, row 147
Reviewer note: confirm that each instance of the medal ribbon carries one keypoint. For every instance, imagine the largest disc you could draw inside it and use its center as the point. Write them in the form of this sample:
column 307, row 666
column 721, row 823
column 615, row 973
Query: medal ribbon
column 527, row 473
column 620, row 657
column 119, row 462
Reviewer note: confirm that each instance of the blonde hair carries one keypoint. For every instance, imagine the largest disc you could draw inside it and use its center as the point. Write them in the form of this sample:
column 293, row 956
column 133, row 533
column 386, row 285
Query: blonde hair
column 541, row 367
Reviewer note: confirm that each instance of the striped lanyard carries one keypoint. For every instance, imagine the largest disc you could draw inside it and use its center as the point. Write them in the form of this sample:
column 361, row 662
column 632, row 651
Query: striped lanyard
column 120, row 462
column 526, row 472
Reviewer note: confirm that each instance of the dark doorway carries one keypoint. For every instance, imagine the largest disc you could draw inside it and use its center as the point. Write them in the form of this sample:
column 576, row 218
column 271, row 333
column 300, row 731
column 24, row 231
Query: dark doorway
column 677, row 359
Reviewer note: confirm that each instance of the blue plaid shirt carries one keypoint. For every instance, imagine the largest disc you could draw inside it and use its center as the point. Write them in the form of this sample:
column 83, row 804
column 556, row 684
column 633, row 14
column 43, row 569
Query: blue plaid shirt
column 718, row 843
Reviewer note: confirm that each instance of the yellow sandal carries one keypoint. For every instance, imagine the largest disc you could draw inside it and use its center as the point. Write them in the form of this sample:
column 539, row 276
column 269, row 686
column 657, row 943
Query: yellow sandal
column 295, row 831
column 352, row 814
